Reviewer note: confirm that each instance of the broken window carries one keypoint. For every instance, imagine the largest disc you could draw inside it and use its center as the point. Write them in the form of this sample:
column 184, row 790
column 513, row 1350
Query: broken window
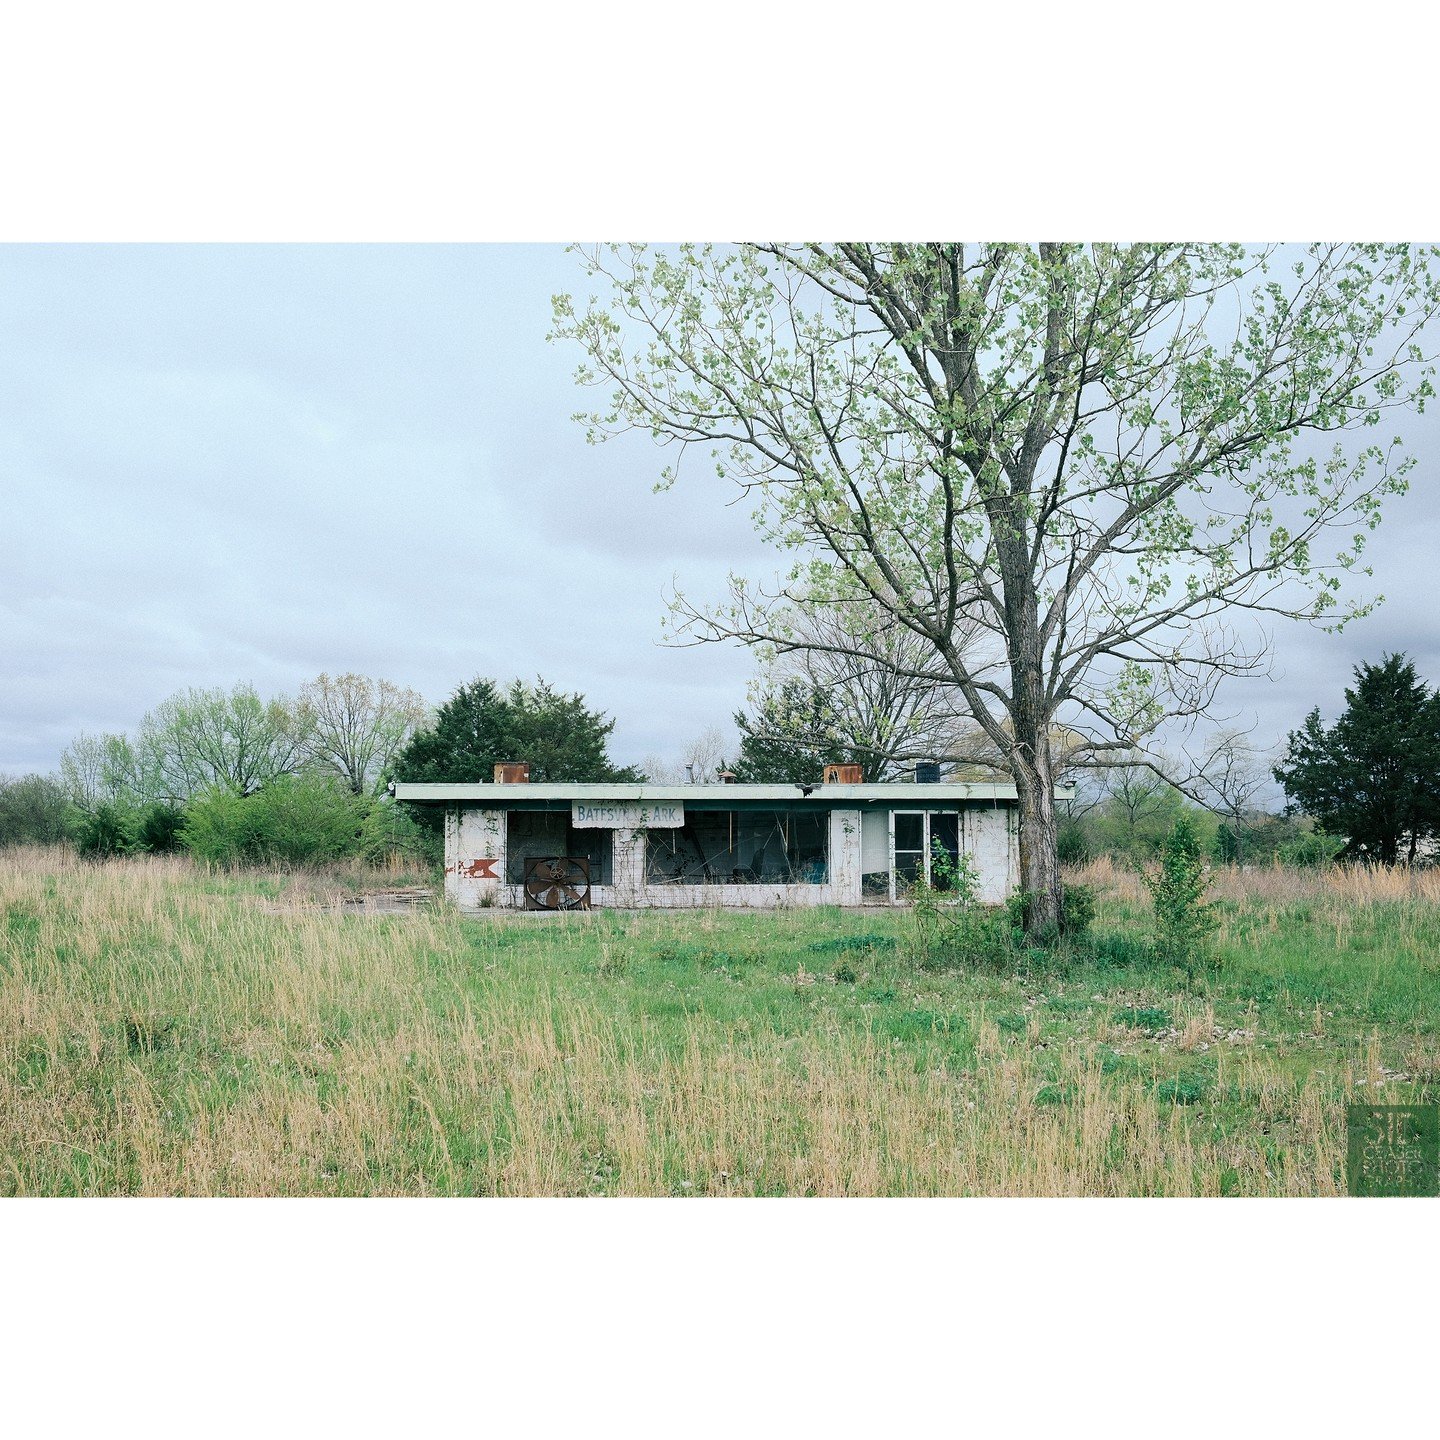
column 532, row 834
column 730, row 847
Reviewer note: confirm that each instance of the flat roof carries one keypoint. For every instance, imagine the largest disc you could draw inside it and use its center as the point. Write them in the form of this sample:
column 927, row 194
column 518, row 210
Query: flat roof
column 711, row 795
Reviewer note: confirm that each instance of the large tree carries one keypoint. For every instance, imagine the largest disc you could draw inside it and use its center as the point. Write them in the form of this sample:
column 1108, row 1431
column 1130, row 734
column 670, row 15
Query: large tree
column 1373, row 776
column 356, row 726
column 482, row 724
column 194, row 741
column 1099, row 458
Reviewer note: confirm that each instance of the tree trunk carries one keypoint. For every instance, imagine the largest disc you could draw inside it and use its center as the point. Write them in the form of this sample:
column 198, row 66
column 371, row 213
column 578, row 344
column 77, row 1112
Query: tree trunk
column 1039, row 839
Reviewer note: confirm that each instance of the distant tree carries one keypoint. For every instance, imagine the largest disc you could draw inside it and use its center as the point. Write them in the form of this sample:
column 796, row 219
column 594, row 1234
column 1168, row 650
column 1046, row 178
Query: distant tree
column 1232, row 775
column 109, row 769
column 199, row 739
column 481, row 725
column 699, row 762
column 792, row 733
column 884, row 709
column 34, row 809
column 355, row 726
column 82, row 770
column 1373, row 776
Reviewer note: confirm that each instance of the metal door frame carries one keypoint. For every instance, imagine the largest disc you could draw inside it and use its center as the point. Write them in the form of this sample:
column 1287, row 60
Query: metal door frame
column 924, row 852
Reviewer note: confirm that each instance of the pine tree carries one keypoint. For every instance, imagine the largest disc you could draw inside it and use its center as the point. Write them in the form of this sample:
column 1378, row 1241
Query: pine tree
column 481, row 725
column 1374, row 776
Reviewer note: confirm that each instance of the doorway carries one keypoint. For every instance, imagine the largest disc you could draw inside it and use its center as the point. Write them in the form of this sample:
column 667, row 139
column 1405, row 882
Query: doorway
column 915, row 837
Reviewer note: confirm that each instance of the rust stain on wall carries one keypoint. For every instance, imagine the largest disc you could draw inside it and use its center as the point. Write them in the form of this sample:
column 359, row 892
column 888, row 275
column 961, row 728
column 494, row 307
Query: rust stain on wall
column 474, row 870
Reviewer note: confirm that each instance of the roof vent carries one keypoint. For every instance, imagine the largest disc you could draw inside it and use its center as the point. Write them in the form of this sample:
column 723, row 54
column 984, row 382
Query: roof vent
column 927, row 772
column 844, row 774
column 512, row 772
column 727, row 777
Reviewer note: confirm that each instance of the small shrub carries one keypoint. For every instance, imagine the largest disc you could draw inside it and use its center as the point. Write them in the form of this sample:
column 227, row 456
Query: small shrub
column 845, row 973
column 1073, row 845
column 1177, row 886
column 1077, row 910
column 949, row 926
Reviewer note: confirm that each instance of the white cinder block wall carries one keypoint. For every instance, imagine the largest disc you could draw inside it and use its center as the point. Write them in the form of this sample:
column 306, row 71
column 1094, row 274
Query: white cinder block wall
column 474, row 857
column 475, row 863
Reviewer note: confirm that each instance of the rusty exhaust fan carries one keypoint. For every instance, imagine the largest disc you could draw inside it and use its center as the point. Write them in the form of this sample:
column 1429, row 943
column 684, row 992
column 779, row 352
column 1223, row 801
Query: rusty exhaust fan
column 557, row 883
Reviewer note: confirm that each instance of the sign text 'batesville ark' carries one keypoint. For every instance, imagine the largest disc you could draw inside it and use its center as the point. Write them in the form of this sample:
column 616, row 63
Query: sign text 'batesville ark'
column 601, row 815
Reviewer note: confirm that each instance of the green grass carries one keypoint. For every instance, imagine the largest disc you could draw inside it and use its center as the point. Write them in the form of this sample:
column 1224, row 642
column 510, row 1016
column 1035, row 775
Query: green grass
column 164, row 1030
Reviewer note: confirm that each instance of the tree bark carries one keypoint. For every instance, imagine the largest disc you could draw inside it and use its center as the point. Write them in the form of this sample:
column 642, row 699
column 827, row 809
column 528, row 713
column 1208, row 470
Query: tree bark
column 1030, row 764
column 1039, row 855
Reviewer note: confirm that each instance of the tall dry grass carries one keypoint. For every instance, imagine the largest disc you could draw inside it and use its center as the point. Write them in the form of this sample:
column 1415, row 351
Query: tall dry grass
column 1278, row 885
column 158, row 1037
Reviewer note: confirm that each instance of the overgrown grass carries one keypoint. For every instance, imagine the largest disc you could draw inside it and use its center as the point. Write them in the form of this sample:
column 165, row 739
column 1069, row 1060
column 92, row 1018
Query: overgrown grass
column 164, row 1030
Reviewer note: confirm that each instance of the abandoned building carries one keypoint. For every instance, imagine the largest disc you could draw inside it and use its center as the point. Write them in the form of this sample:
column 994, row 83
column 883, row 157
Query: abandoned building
column 575, row 846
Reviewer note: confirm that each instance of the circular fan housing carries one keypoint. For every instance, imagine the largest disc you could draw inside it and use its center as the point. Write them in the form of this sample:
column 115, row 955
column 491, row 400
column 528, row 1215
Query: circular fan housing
column 557, row 882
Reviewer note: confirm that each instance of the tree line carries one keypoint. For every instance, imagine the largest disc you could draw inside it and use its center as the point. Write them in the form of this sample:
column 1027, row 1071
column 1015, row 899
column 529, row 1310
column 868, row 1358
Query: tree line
column 231, row 776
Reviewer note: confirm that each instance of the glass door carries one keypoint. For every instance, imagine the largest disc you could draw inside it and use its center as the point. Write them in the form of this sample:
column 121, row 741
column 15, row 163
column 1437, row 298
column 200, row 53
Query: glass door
column 908, row 844
column 915, row 835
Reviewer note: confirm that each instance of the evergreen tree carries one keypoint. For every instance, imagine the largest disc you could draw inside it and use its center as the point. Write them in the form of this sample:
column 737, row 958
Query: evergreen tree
column 791, row 737
column 1374, row 776
column 481, row 725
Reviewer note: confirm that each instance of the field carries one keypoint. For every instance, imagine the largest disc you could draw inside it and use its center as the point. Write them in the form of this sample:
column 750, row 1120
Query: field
column 168, row 1031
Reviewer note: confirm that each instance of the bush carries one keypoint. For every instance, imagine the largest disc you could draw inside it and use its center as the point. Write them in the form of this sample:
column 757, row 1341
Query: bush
column 1310, row 852
column 108, row 829
column 156, row 829
column 1177, row 887
column 1073, row 845
column 302, row 819
column 295, row 820
column 34, row 810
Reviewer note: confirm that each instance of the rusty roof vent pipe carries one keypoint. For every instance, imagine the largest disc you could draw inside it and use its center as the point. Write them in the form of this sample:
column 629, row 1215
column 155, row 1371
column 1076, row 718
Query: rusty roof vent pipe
column 512, row 772
column 844, row 774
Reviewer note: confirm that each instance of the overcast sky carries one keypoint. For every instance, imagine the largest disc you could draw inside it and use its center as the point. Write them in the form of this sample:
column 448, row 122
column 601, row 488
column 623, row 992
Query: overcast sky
column 223, row 463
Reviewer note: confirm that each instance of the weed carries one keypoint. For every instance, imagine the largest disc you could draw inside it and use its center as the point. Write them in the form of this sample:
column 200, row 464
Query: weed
column 1182, row 1090
column 1144, row 1017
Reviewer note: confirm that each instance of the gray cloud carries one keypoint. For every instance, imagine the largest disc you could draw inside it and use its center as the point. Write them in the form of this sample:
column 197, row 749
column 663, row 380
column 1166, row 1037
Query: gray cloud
column 257, row 462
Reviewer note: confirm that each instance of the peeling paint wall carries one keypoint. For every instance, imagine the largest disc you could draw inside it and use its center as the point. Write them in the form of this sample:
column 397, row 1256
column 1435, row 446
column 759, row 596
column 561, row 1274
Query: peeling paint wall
column 475, row 857
column 990, row 836
column 475, row 861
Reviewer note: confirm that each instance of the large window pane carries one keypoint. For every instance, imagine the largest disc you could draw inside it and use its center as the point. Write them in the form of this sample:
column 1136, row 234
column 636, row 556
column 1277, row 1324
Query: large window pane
column 721, row 847
column 944, row 840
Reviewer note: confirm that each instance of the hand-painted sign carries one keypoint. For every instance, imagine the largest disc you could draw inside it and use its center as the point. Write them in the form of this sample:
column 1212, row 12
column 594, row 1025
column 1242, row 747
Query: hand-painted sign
column 475, row 869
column 653, row 815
